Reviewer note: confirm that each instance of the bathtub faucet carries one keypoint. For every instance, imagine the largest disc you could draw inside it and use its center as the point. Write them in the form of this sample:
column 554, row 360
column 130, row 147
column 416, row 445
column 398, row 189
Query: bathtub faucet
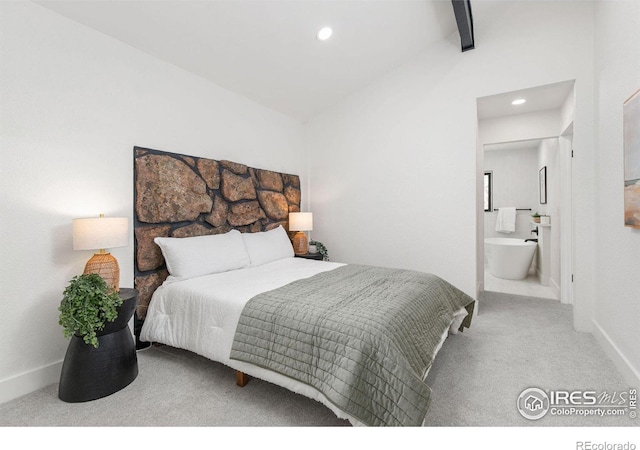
column 531, row 240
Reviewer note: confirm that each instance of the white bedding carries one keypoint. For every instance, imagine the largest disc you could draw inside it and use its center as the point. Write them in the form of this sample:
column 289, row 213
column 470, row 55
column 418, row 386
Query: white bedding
column 201, row 314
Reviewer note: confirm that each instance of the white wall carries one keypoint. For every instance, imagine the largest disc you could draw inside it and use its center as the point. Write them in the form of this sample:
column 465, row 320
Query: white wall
column 520, row 127
column 549, row 156
column 515, row 183
column 74, row 103
column 401, row 156
column 617, row 304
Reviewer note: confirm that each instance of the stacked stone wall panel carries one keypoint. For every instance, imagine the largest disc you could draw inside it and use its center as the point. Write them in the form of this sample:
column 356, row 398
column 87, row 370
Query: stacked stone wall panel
column 182, row 196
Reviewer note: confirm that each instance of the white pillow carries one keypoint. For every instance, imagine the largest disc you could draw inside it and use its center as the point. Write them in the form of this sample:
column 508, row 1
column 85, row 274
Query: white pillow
column 202, row 255
column 268, row 246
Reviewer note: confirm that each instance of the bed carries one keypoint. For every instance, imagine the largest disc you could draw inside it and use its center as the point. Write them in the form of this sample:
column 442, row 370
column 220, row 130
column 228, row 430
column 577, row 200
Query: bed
column 217, row 276
column 364, row 353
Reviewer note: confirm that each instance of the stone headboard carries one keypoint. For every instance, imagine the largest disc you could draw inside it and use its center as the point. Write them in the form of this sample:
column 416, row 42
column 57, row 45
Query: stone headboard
column 181, row 196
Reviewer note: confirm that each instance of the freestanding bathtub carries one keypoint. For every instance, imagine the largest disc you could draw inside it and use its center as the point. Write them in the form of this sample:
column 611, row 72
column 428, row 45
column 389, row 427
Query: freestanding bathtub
column 509, row 258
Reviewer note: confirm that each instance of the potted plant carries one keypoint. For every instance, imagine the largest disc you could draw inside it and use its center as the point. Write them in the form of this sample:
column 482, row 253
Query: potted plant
column 88, row 304
column 536, row 217
column 321, row 249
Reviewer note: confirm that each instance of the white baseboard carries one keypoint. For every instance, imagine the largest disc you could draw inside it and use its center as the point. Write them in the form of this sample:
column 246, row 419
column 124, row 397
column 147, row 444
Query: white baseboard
column 630, row 373
column 544, row 279
column 554, row 286
column 28, row 382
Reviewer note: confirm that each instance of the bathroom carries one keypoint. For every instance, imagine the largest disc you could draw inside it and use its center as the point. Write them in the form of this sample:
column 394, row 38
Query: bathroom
column 526, row 166
column 517, row 175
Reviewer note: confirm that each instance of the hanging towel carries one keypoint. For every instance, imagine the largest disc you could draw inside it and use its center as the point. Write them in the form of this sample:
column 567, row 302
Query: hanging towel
column 506, row 221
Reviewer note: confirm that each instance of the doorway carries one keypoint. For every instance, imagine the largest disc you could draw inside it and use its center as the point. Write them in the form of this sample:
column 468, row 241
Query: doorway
column 527, row 153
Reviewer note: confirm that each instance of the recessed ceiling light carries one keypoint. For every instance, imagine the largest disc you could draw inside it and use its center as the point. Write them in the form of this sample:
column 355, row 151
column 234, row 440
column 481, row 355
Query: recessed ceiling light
column 324, row 34
column 518, row 101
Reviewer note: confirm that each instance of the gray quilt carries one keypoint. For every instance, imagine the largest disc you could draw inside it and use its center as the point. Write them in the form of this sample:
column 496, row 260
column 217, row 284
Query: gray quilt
column 363, row 336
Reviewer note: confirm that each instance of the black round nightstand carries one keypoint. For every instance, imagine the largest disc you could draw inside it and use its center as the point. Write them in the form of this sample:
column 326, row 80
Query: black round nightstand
column 316, row 256
column 89, row 373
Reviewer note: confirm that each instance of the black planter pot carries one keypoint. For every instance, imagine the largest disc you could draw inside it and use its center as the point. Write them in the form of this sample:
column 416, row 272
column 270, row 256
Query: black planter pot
column 89, row 373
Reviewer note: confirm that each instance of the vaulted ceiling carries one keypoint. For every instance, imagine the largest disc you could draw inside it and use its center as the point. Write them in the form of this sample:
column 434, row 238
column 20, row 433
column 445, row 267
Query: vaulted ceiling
column 267, row 50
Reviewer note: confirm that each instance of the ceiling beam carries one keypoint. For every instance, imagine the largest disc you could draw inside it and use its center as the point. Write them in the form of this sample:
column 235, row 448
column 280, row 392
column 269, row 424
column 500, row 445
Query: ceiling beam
column 464, row 18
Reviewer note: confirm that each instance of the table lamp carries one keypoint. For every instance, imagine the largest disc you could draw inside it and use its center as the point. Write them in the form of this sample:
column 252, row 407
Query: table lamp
column 99, row 233
column 300, row 222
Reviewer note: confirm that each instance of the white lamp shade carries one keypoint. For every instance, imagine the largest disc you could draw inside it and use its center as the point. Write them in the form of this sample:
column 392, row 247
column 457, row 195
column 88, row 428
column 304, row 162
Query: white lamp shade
column 100, row 233
column 301, row 221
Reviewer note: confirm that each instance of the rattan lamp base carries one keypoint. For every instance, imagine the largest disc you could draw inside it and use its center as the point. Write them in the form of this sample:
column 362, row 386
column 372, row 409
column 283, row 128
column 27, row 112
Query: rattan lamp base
column 300, row 243
column 105, row 265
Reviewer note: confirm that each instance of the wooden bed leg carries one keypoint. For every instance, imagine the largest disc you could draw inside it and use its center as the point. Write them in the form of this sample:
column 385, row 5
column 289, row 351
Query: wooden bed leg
column 241, row 378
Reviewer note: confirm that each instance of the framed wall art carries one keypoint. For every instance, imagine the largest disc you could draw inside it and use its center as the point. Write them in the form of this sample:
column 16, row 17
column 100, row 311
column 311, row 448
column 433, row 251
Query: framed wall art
column 543, row 185
column 631, row 133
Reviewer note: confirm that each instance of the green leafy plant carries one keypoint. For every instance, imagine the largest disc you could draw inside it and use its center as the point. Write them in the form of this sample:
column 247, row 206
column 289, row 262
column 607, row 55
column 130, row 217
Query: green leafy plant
column 87, row 305
column 321, row 249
